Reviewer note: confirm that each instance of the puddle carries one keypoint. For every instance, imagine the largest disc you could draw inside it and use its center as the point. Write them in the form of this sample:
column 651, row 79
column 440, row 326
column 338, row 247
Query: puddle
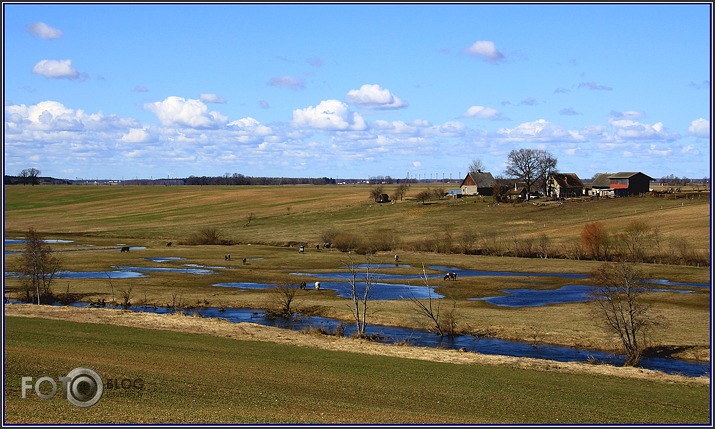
column 378, row 291
column 199, row 271
column 88, row 274
column 167, row 259
column 23, row 241
column 562, row 295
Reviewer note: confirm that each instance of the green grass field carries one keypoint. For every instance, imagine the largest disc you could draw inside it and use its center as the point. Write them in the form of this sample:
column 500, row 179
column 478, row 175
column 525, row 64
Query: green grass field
column 189, row 378
column 105, row 217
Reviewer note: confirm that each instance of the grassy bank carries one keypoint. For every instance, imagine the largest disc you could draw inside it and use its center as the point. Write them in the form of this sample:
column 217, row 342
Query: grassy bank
column 189, row 378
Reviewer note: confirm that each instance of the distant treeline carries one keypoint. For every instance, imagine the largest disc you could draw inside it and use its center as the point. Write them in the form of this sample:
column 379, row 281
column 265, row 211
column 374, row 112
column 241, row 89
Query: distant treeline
column 235, row 179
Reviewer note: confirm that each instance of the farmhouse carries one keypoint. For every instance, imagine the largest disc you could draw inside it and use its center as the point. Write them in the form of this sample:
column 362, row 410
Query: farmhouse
column 478, row 183
column 629, row 183
column 601, row 185
column 563, row 185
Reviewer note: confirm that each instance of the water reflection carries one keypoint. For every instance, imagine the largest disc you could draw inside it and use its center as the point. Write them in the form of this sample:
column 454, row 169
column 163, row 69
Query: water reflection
column 562, row 295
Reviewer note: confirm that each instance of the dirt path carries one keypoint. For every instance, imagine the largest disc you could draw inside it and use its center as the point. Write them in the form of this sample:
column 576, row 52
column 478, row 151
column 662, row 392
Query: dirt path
column 252, row 331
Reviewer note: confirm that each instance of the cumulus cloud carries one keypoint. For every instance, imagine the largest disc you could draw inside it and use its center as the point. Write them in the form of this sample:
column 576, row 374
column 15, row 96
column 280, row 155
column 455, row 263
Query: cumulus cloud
column 628, row 129
column 485, row 49
column 44, row 31
column 180, row 112
column 136, row 135
column 54, row 69
column 289, row 82
column 212, row 98
column 539, row 131
column 700, row 128
column 374, row 96
column 481, row 112
column 248, row 130
column 52, row 116
column 328, row 115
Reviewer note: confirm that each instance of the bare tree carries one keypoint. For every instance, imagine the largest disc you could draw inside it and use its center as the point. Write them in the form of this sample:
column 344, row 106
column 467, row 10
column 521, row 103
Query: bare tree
column 400, row 191
column 621, row 307
column 30, row 175
column 38, row 268
column 284, row 298
column 476, row 166
column 359, row 297
column 595, row 239
column 634, row 238
column 443, row 324
column 376, row 192
column 530, row 166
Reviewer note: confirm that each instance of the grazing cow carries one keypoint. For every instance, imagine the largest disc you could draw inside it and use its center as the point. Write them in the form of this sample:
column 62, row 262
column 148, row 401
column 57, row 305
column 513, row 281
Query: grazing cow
column 317, row 285
column 244, row 261
column 302, row 285
column 397, row 258
column 168, row 244
column 450, row 276
column 327, row 245
column 301, row 249
column 124, row 249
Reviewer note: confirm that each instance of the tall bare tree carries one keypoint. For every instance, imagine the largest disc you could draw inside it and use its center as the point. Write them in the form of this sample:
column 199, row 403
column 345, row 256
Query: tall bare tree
column 359, row 297
column 622, row 308
column 530, row 166
column 442, row 323
column 476, row 165
column 38, row 268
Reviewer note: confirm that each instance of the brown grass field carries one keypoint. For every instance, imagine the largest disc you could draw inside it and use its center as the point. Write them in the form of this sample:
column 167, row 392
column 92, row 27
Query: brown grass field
column 150, row 216
column 99, row 219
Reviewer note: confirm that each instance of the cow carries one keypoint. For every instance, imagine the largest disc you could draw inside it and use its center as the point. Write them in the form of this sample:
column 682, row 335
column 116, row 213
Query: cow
column 124, row 249
column 317, row 285
column 168, row 244
column 301, row 249
column 450, row 276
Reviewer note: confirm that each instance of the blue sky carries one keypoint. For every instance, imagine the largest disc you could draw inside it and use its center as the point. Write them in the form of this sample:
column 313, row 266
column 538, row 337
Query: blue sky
column 120, row 91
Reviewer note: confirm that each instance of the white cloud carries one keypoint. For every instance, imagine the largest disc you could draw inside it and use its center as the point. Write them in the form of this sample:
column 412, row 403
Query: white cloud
column 212, row 98
column 136, row 135
column 44, row 31
column 628, row 129
column 54, row 69
column 700, row 128
column 374, row 96
column 181, row 112
column 539, row 131
column 486, row 50
column 481, row 112
column 328, row 115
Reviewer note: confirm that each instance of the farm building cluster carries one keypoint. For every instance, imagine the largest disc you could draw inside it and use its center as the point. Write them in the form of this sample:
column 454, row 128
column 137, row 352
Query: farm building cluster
column 557, row 186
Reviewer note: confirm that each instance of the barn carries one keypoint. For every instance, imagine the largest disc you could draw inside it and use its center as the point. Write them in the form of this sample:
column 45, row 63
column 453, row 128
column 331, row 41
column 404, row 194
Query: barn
column 624, row 184
column 478, row 183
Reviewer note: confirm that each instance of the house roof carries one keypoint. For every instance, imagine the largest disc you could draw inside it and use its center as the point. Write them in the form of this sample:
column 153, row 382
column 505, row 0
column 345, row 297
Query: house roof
column 481, row 179
column 628, row 175
column 602, row 180
column 567, row 180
